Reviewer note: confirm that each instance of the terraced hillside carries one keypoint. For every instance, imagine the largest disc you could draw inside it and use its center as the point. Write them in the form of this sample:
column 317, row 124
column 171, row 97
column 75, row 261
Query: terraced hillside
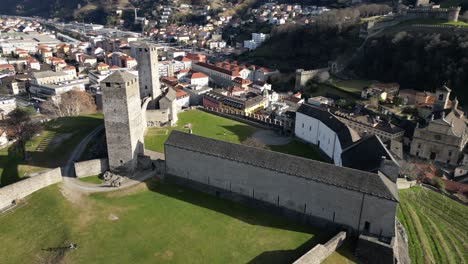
column 437, row 226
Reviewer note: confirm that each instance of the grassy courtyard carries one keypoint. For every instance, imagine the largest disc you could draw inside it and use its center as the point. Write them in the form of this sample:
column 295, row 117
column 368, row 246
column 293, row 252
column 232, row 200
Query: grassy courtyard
column 437, row 226
column 91, row 179
column 150, row 223
column 48, row 149
column 212, row 126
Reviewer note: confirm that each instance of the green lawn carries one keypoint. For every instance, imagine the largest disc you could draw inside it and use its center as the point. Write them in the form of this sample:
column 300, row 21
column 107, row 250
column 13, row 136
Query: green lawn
column 149, row 223
column 437, row 226
column 49, row 149
column 212, row 126
column 351, row 86
column 91, row 179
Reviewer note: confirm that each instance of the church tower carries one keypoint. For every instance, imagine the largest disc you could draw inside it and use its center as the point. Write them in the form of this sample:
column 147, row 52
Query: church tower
column 441, row 98
column 148, row 71
column 123, row 121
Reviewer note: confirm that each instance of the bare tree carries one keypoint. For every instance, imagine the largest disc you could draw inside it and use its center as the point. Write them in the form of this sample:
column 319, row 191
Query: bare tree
column 22, row 128
column 71, row 103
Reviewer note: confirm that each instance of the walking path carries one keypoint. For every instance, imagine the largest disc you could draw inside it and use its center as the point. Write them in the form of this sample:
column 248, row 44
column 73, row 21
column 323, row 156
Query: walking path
column 72, row 183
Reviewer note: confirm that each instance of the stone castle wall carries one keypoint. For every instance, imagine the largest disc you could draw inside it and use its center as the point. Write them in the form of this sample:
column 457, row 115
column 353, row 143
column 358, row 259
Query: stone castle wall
column 303, row 76
column 330, row 204
column 21, row 189
column 91, row 167
column 320, row 252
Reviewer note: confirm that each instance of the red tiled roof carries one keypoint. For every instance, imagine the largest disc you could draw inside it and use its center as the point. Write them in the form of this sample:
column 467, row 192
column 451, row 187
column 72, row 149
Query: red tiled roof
column 218, row 69
column 180, row 93
column 198, row 75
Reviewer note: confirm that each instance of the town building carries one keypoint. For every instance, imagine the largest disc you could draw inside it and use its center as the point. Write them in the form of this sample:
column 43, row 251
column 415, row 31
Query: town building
column 7, row 104
column 219, row 99
column 218, row 75
column 256, row 41
column 320, row 127
column 443, row 138
column 366, row 125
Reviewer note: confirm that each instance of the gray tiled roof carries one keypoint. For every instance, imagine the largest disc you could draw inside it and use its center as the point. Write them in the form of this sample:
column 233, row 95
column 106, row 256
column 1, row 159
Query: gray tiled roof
column 119, row 77
column 341, row 130
column 360, row 181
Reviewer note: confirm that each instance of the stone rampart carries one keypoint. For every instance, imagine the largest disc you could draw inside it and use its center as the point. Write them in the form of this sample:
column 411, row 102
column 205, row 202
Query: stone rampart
column 303, row 76
column 21, row 189
column 320, row 252
column 91, row 167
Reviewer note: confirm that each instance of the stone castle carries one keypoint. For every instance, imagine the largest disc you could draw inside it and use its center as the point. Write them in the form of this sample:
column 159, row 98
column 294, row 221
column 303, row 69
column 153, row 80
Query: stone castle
column 325, row 195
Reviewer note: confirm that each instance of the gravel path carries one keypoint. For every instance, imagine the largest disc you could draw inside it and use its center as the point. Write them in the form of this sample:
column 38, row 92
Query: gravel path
column 71, row 183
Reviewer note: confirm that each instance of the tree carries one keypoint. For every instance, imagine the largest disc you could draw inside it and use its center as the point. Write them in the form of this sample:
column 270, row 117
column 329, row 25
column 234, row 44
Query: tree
column 71, row 103
column 438, row 183
column 22, row 128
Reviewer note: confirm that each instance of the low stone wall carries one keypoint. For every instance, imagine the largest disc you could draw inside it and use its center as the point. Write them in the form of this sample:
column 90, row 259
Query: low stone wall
column 91, row 167
column 320, row 252
column 21, row 189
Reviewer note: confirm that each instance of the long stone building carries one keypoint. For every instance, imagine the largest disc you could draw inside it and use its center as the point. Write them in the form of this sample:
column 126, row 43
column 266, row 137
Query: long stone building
column 362, row 202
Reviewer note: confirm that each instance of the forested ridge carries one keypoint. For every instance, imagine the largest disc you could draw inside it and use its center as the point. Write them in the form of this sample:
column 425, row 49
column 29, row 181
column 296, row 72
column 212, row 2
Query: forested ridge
column 420, row 61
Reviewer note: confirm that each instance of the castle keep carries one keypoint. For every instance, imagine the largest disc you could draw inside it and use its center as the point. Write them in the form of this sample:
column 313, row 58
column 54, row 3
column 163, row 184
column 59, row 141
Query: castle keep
column 148, row 72
column 123, row 121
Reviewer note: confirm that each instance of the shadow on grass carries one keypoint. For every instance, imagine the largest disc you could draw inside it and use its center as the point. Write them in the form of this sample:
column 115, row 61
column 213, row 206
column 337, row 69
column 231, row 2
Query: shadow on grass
column 238, row 210
column 247, row 214
column 51, row 156
column 284, row 256
column 243, row 132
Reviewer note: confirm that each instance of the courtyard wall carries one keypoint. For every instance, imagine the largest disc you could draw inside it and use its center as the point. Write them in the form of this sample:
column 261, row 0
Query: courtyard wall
column 91, row 167
column 21, row 189
column 320, row 252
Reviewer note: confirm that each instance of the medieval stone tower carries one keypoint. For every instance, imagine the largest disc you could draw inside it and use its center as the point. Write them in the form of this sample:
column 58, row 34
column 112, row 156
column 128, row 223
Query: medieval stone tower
column 442, row 98
column 123, row 121
column 148, row 71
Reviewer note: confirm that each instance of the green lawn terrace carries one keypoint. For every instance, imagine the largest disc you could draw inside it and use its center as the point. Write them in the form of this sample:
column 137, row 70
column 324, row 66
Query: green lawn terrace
column 50, row 148
column 152, row 222
column 212, row 126
column 437, row 227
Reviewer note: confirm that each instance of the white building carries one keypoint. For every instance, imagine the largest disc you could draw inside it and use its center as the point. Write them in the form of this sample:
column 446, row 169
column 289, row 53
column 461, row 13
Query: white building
column 7, row 104
column 48, row 77
column 197, row 79
column 256, row 41
column 319, row 127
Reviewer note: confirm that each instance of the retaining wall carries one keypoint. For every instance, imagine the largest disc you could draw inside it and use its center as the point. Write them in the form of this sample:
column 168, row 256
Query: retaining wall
column 21, row 189
column 320, row 252
column 91, row 167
